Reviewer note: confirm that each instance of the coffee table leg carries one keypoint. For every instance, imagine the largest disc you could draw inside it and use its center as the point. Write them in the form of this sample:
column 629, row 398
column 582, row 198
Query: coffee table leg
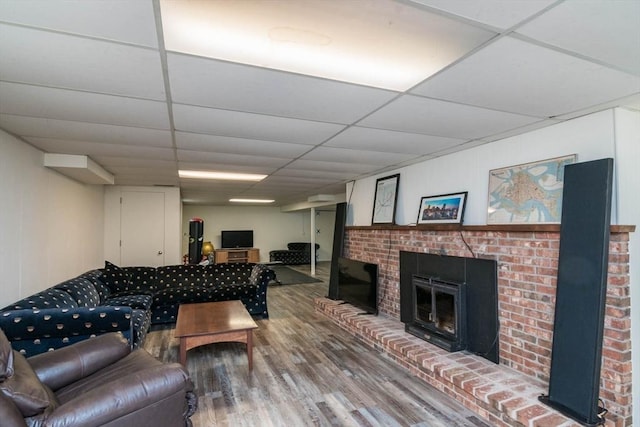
column 250, row 348
column 183, row 351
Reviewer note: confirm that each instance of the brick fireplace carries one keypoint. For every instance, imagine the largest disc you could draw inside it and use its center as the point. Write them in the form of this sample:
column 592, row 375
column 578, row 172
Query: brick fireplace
column 526, row 257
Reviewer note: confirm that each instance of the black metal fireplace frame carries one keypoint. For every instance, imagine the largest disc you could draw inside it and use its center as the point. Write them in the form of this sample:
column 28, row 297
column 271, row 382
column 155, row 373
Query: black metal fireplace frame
column 429, row 330
column 480, row 277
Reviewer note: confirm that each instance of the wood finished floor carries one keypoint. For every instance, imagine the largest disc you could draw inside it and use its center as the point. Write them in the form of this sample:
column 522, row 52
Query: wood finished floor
column 307, row 372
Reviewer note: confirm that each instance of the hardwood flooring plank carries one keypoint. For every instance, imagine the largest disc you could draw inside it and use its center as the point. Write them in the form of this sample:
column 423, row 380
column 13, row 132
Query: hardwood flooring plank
column 307, row 372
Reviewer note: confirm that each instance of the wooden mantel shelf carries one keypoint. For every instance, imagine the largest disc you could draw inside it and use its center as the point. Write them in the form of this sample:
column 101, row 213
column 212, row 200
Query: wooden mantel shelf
column 502, row 227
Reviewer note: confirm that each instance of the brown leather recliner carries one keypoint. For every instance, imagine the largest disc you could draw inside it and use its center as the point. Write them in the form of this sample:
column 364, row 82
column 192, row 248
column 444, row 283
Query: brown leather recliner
column 97, row 382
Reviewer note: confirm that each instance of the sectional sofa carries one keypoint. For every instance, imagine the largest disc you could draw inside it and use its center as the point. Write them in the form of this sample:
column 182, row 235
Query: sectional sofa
column 127, row 300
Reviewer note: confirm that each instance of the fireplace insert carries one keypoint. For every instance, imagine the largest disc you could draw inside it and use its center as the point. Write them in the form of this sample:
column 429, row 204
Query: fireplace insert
column 439, row 312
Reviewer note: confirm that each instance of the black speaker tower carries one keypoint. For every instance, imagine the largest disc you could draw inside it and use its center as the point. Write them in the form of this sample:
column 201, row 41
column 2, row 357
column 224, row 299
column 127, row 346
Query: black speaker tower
column 578, row 328
column 338, row 243
column 196, row 228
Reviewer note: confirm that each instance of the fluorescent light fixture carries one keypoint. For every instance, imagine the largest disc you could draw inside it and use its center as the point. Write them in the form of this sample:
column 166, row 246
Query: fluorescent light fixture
column 379, row 43
column 251, row 200
column 221, row 175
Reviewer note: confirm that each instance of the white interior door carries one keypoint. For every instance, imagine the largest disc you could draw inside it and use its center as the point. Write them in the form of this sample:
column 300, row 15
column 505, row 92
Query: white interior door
column 142, row 228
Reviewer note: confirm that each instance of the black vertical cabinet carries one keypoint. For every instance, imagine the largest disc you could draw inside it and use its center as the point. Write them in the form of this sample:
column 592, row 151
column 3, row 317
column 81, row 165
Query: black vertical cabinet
column 578, row 329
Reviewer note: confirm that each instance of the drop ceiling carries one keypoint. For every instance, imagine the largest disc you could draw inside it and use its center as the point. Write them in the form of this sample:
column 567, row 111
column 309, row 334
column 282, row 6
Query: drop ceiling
column 143, row 94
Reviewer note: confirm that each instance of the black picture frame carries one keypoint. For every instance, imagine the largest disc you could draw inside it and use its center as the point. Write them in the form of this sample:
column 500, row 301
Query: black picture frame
column 385, row 200
column 442, row 209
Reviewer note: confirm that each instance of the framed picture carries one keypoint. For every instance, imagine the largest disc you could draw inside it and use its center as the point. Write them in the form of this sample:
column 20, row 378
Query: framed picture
column 443, row 209
column 529, row 193
column 384, row 203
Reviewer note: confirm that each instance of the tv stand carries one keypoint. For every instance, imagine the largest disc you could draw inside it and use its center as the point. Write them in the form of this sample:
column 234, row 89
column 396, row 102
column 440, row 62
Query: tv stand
column 224, row 256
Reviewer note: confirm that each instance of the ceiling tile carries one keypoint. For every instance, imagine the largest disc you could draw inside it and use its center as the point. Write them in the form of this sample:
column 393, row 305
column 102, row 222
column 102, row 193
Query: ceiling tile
column 59, row 60
column 125, row 21
column 136, row 162
column 336, row 167
column 497, row 13
column 429, row 116
column 290, row 172
column 258, row 90
column 548, row 83
column 226, row 144
column 331, row 154
column 378, row 43
column 95, row 149
column 26, row 100
column 81, row 131
column 251, row 126
column 230, row 159
column 146, row 180
column 608, row 31
column 359, row 138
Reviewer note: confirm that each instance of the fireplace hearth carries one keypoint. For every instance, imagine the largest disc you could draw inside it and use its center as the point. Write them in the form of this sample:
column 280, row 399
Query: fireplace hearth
column 451, row 302
column 439, row 314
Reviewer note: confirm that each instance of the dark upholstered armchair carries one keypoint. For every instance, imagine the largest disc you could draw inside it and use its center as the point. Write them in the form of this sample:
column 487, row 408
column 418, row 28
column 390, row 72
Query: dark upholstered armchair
column 296, row 253
column 96, row 382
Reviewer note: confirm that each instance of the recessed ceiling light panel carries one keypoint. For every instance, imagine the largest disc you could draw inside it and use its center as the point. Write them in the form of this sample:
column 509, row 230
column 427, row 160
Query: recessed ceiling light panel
column 220, row 175
column 251, row 200
column 379, row 43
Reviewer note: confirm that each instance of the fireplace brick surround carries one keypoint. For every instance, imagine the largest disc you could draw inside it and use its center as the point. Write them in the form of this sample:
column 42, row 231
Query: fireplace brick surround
column 527, row 257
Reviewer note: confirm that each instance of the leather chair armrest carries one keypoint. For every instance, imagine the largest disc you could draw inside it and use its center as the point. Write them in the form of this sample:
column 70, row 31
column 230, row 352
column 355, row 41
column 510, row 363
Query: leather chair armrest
column 69, row 364
column 10, row 414
column 115, row 399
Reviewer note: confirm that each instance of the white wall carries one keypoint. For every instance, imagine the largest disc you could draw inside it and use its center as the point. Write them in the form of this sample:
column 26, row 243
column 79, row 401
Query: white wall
column 627, row 132
column 172, row 231
column 610, row 133
column 272, row 229
column 50, row 226
column 590, row 137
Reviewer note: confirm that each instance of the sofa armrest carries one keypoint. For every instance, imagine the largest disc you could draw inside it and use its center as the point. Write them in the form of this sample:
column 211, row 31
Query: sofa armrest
column 115, row 399
column 66, row 365
column 261, row 275
column 9, row 413
column 34, row 331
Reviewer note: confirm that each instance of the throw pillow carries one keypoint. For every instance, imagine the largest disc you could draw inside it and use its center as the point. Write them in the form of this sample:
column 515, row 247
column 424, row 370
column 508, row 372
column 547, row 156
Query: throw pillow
column 6, row 357
column 25, row 389
column 118, row 280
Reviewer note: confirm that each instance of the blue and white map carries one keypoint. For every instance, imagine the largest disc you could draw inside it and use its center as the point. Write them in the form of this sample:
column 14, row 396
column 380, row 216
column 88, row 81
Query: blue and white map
column 529, row 193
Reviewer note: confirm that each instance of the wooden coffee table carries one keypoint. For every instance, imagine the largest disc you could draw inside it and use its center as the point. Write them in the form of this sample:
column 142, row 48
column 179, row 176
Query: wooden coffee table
column 210, row 322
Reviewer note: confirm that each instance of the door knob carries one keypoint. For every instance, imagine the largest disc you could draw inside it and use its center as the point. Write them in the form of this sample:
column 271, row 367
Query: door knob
column 159, row 252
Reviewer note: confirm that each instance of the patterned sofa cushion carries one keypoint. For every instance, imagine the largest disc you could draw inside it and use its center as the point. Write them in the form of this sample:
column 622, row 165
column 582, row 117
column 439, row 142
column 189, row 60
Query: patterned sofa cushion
column 116, row 278
column 180, row 276
column 134, row 301
column 49, row 298
column 142, row 280
column 81, row 290
column 230, row 274
column 95, row 277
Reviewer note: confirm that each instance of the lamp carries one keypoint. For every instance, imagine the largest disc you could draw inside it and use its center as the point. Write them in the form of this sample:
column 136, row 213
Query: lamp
column 207, row 248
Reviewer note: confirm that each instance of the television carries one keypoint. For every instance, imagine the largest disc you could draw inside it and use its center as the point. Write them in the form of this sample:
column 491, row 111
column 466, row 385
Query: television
column 231, row 239
column 358, row 284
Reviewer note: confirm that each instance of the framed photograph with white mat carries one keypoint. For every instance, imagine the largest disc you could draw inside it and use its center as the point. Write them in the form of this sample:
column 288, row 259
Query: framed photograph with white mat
column 386, row 196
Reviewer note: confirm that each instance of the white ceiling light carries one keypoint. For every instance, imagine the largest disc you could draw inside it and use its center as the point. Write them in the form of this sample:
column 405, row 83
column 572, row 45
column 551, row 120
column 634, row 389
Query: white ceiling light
column 379, row 43
column 221, row 175
column 251, row 200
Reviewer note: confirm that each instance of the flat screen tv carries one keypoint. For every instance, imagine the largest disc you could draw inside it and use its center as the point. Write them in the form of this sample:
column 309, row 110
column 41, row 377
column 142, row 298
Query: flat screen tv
column 358, row 284
column 231, row 239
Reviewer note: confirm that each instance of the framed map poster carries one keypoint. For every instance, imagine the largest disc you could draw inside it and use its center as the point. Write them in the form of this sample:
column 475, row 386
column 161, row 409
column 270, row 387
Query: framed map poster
column 530, row 193
column 384, row 202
